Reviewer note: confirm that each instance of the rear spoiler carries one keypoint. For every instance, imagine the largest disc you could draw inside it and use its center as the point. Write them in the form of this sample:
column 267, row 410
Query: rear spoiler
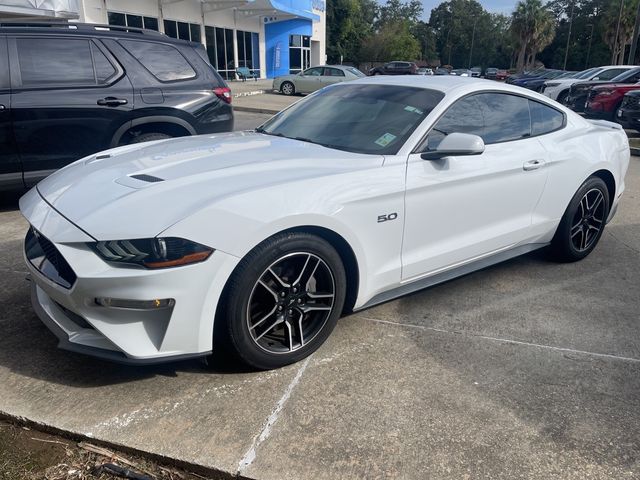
column 606, row 124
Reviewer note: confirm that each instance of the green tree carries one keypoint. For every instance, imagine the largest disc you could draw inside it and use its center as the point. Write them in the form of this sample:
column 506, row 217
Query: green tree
column 393, row 41
column 349, row 22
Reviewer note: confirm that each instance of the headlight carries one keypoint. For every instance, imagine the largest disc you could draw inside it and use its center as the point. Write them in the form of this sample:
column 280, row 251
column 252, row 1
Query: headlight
column 152, row 252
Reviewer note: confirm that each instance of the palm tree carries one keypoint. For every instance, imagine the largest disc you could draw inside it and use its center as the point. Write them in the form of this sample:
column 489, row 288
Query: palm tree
column 624, row 32
column 533, row 28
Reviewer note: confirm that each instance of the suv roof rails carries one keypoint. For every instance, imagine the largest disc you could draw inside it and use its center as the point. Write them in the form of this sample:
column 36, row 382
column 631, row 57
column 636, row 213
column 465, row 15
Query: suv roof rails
column 76, row 26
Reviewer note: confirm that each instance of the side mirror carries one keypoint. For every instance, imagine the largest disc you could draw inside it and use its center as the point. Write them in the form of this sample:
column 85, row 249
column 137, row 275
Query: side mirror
column 456, row 144
column 595, row 78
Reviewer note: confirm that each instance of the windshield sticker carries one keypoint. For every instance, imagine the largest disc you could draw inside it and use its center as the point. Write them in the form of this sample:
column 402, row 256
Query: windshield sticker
column 385, row 139
column 409, row 108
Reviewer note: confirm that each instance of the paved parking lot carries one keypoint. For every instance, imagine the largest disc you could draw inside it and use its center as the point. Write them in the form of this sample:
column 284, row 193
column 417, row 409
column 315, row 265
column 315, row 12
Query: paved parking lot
column 529, row 369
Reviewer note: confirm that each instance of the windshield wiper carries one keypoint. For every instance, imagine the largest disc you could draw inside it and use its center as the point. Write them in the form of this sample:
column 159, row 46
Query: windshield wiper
column 262, row 130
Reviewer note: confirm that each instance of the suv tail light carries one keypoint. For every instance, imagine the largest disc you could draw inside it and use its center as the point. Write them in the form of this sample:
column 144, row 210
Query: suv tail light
column 223, row 93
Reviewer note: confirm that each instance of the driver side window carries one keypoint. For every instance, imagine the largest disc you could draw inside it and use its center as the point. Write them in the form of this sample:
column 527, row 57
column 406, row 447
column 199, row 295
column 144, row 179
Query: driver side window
column 464, row 116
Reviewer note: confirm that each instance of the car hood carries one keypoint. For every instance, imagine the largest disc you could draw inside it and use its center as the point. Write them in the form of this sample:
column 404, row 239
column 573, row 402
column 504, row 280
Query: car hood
column 140, row 190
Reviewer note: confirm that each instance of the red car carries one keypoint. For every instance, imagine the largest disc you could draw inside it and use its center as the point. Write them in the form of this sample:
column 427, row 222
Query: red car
column 501, row 74
column 604, row 100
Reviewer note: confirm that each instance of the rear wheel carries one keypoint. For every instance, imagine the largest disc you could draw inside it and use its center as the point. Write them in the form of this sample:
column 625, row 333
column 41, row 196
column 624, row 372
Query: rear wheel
column 288, row 88
column 562, row 97
column 583, row 222
column 282, row 301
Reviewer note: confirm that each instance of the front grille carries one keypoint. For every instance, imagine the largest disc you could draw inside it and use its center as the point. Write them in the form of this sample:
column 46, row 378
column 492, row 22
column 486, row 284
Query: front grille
column 630, row 102
column 44, row 256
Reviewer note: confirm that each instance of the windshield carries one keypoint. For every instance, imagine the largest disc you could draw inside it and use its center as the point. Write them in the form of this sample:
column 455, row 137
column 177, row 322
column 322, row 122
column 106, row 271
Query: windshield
column 361, row 118
column 587, row 73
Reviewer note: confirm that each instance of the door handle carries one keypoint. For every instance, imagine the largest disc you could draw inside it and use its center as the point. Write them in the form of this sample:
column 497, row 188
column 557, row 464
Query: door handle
column 532, row 165
column 112, row 101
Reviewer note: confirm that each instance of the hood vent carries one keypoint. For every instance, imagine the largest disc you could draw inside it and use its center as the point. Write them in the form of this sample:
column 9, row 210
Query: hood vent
column 147, row 178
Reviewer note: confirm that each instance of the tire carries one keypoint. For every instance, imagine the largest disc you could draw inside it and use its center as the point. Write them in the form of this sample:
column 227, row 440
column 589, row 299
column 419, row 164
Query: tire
column 562, row 97
column 266, row 319
column 149, row 137
column 583, row 222
column 288, row 88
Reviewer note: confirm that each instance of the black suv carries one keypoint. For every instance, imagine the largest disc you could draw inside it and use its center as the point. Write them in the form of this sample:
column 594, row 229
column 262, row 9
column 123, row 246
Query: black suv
column 70, row 90
column 395, row 68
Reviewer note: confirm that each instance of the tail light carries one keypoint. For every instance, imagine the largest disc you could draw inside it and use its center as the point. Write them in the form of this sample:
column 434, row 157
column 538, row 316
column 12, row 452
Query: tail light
column 223, row 93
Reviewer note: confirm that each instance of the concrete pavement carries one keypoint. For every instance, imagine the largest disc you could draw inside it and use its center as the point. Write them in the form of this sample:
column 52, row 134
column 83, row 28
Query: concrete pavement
column 529, row 369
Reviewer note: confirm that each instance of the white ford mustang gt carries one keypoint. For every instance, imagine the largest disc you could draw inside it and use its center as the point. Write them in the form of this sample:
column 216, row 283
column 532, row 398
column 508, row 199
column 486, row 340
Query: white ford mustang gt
column 257, row 241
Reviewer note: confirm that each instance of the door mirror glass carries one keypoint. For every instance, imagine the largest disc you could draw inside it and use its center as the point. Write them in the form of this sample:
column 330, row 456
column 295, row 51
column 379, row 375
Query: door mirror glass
column 456, row 144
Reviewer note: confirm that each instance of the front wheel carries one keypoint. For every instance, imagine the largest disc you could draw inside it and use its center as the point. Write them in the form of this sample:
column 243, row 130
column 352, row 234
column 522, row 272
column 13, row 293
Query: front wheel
column 583, row 222
column 283, row 300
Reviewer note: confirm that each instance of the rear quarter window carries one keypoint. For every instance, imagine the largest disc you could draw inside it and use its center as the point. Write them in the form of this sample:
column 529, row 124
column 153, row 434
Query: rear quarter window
column 164, row 62
column 544, row 119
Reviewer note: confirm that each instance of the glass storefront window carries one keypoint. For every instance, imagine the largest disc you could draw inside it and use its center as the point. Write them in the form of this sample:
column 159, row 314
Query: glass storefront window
column 299, row 53
column 130, row 20
column 183, row 30
column 248, row 50
column 220, row 50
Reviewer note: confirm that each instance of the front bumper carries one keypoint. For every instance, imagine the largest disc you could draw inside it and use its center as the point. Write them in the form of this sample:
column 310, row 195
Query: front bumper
column 126, row 335
column 628, row 118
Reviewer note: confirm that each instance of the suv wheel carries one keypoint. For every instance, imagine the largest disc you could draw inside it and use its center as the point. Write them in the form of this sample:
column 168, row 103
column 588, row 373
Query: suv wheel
column 149, row 137
column 282, row 301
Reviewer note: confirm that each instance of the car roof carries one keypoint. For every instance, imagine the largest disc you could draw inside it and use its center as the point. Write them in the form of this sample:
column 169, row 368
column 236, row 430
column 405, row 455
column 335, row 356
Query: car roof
column 448, row 84
column 87, row 29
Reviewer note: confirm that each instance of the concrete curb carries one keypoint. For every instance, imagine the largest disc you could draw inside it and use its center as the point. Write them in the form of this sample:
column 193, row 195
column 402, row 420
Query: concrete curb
column 249, row 94
column 268, row 111
column 79, row 437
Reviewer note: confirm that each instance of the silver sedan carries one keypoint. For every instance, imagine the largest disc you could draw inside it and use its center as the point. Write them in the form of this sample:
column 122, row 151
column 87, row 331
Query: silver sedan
column 315, row 78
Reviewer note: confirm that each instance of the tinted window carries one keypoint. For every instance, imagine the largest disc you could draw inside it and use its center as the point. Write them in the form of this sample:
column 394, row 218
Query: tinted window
column 170, row 28
column 333, row 72
column 611, row 73
column 183, row 31
column 506, row 117
column 374, row 119
column 495, row 117
column 55, row 61
column 163, row 61
column 104, row 69
column 544, row 119
column 464, row 116
column 194, row 28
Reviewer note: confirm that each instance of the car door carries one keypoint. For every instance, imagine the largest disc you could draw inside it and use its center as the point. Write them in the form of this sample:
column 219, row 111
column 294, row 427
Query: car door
column 310, row 80
column 69, row 96
column 462, row 208
column 332, row 75
column 10, row 169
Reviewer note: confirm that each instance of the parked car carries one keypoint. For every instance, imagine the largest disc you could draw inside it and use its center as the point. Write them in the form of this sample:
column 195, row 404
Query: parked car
column 76, row 91
column 491, row 73
column 461, row 72
column 476, row 72
column 604, row 100
column 315, row 78
column 579, row 92
column 628, row 114
column 441, row 71
column 425, row 71
column 532, row 82
column 558, row 89
column 256, row 242
column 527, row 73
column 502, row 74
column 395, row 68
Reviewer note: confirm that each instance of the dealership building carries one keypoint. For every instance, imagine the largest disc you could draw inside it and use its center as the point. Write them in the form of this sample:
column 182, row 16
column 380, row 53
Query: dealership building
column 269, row 37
